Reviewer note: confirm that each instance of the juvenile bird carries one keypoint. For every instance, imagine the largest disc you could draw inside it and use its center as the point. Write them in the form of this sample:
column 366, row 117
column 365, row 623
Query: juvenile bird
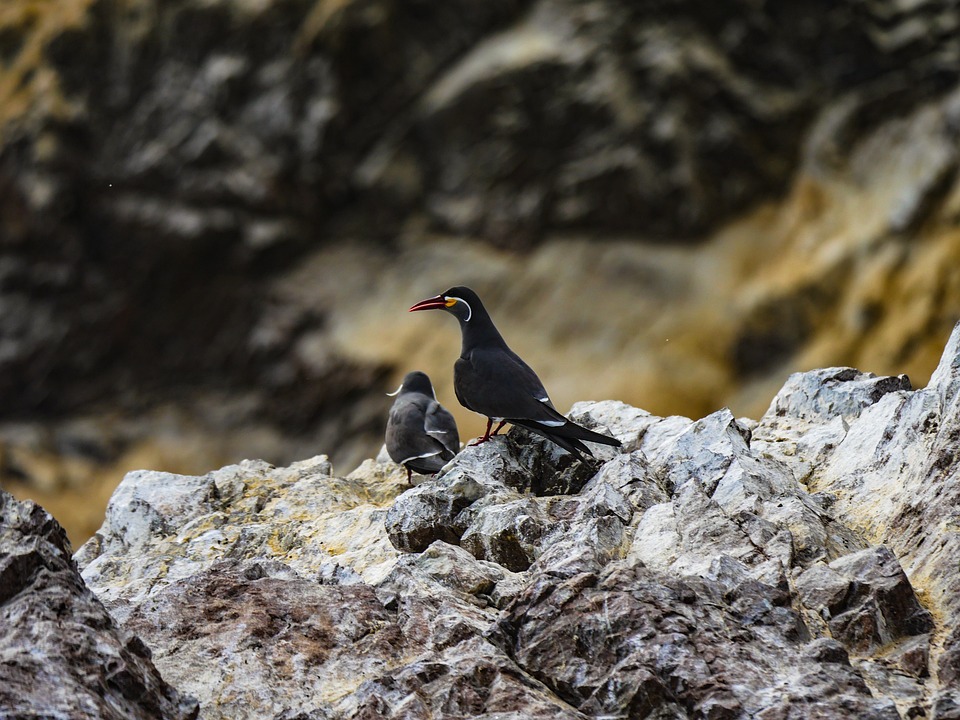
column 421, row 434
column 490, row 379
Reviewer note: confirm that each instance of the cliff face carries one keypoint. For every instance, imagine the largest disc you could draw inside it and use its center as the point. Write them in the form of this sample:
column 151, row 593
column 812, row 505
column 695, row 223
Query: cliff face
column 213, row 214
column 803, row 565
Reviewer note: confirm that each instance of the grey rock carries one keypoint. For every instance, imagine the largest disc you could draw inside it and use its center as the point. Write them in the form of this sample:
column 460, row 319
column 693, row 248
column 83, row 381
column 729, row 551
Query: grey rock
column 893, row 475
column 432, row 511
column 827, row 650
column 865, row 598
column 631, row 642
column 61, row 654
column 947, row 706
column 444, row 568
column 825, row 394
column 629, row 476
column 301, row 515
column 705, row 571
column 811, row 414
column 506, row 533
column 281, row 641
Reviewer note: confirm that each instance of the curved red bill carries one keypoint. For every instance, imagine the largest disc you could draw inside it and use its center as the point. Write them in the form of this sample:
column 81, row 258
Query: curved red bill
column 434, row 303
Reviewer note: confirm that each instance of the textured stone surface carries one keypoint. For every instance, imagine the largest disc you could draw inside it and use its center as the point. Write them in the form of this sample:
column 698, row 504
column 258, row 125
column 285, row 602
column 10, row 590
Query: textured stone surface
column 632, row 642
column 865, row 598
column 162, row 527
column 61, row 654
column 711, row 568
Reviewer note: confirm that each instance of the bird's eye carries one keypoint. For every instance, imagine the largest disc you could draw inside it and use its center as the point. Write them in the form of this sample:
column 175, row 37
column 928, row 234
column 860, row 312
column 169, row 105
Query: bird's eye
column 450, row 301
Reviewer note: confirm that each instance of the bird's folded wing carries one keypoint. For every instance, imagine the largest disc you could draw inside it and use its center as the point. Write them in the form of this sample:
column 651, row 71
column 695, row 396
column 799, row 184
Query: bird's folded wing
column 438, row 423
column 502, row 385
column 406, row 436
column 541, row 413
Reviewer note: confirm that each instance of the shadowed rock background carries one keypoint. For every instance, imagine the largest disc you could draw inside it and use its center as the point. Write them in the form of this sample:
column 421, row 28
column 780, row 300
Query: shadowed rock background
column 213, row 215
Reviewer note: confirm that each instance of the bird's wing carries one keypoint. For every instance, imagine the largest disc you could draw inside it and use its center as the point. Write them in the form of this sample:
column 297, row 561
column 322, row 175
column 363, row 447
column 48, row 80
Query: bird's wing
column 497, row 383
column 438, row 423
column 406, row 435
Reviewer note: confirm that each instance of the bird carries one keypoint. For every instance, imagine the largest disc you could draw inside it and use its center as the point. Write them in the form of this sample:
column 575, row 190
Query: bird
column 492, row 380
column 421, row 434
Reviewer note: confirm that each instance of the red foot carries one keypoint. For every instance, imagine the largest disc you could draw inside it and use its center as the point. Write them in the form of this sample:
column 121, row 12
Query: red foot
column 487, row 435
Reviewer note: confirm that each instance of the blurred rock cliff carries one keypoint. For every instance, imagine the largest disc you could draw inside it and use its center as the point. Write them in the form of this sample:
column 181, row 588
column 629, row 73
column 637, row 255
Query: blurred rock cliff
column 214, row 213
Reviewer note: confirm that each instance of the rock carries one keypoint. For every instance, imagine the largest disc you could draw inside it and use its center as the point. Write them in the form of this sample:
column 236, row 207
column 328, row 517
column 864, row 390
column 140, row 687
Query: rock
column 61, row 654
column 432, row 511
column 443, row 569
column 865, row 598
column 282, row 641
column 507, row 534
column 891, row 473
column 704, row 570
column 812, row 412
column 827, row 650
column 633, row 642
column 302, row 516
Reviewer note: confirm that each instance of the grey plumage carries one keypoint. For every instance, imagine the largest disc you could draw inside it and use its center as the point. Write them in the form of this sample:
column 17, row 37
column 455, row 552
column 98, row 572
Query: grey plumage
column 421, row 434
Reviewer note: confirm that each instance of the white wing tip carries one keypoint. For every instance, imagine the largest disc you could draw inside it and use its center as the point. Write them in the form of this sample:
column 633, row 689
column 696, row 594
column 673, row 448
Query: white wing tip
column 551, row 423
column 419, row 457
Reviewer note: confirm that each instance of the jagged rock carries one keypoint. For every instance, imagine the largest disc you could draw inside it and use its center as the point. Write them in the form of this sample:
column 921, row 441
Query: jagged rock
column 631, row 642
column 506, row 533
column 706, row 569
column 162, row 527
column 443, row 569
column 812, row 412
column 281, row 640
column 477, row 504
column 431, row 512
column 914, row 438
column 61, row 654
column 865, row 598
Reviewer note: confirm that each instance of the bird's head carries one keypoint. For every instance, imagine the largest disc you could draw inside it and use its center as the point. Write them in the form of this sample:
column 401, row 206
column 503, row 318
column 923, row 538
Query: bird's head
column 459, row 301
column 415, row 381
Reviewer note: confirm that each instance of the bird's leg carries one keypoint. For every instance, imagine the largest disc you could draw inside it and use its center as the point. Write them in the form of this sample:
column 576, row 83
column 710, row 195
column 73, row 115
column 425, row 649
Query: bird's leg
column 486, row 435
column 502, row 423
column 409, row 475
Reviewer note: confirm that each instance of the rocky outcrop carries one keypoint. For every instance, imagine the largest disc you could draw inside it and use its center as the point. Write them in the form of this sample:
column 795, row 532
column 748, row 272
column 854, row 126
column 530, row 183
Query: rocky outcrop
column 802, row 565
column 61, row 654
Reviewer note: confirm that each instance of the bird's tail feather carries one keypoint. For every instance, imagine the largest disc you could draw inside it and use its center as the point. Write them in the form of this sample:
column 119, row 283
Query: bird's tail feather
column 578, row 432
column 568, row 436
column 565, row 427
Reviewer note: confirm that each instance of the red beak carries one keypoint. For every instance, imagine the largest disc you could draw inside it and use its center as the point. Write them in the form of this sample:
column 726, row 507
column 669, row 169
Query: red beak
column 434, row 303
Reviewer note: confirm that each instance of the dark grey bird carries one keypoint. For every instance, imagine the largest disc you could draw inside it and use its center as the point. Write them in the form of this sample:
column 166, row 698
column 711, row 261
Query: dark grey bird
column 421, row 434
column 491, row 379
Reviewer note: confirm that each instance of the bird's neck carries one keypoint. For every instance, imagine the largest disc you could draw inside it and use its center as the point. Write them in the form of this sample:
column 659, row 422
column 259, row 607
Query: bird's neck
column 480, row 331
